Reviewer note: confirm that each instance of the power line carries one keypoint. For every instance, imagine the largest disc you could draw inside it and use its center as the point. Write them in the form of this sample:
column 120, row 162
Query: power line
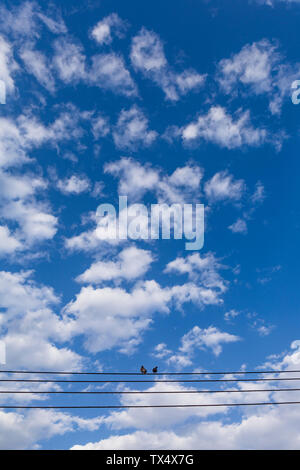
column 147, row 392
column 151, row 381
column 157, row 373
column 151, row 406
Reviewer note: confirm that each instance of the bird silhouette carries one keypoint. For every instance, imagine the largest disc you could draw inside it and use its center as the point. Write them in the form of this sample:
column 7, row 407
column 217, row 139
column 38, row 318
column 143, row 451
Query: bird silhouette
column 143, row 370
column 154, row 370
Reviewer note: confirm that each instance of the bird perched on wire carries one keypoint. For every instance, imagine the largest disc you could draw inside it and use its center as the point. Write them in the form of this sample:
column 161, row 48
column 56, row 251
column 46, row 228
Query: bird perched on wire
column 154, row 370
column 143, row 370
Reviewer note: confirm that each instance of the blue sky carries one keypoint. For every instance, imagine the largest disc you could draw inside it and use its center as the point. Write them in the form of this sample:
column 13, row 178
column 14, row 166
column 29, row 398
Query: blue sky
column 171, row 102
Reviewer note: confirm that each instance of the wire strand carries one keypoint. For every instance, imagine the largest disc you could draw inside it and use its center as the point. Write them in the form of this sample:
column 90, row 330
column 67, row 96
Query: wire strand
column 150, row 381
column 147, row 392
column 157, row 373
column 151, row 406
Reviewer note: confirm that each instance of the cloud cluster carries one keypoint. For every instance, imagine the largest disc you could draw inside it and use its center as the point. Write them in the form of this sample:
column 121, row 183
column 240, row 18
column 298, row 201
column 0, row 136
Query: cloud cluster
column 254, row 428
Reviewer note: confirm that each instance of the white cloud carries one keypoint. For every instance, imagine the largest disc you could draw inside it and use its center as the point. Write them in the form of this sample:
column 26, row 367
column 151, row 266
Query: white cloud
column 12, row 146
column 204, row 269
column 273, row 429
column 261, row 70
column 100, row 126
column 74, row 185
column 105, row 29
column 109, row 72
column 85, row 241
column 130, row 264
column 64, row 128
column 131, row 130
column 259, row 194
column 38, row 65
column 254, row 428
column 110, row 317
column 219, row 127
column 19, row 20
column 260, row 325
column 55, row 25
column 252, row 66
column 28, row 326
column 240, row 226
column 273, row 2
column 231, row 314
column 24, row 431
column 8, row 66
column 69, row 60
column 135, row 179
column 210, row 338
column 181, row 186
column 35, row 220
column 222, row 187
column 18, row 202
column 160, row 351
column 148, row 57
column 26, row 19
column 8, row 243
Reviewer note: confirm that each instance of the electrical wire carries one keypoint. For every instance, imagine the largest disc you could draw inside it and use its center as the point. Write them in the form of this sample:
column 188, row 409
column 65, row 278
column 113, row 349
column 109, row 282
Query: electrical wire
column 33, row 392
column 150, row 381
column 149, row 406
column 157, row 373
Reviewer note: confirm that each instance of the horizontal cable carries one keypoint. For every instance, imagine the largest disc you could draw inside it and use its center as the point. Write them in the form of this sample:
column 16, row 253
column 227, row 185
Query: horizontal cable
column 147, row 392
column 139, row 373
column 150, row 381
column 149, row 406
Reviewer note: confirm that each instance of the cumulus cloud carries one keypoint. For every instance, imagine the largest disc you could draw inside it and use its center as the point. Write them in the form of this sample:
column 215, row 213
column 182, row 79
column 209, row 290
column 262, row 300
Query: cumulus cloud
column 222, row 187
column 74, row 185
column 69, row 60
column 254, row 428
column 240, row 226
column 100, row 126
column 137, row 179
column 219, row 127
column 110, row 317
column 144, row 177
column 231, row 314
column 25, row 431
column 259, row 194
column 273, row 429
column 109, row 72
column 130, row 264
column 259, row 69
column 109, row 26
column 38, row 65
column 28, row 325
column 252, row 66
column 148, row 57
column 25, row 20
column 20, row 200
column 207, row 339
column 131, row 130
column 202, row 268
column 210, row 338
column 8, row 243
